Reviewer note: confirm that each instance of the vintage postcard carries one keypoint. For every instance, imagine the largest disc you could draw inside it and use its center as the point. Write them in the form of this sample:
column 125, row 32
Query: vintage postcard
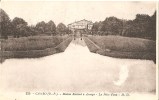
column 67, row 50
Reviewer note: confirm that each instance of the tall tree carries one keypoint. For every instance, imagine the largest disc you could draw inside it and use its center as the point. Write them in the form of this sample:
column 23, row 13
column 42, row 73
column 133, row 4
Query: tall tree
column 41, row 27
column 153, row 26
column 95, row 26
column 61, row 28
column 5, row 24
column 31, row 30
column 20, row 26
column 140, row 26
column 112, row 25
column 51, row 27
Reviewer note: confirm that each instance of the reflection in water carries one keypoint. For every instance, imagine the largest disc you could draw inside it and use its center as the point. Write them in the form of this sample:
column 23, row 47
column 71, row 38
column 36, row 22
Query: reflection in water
column 123, row 75
column 78, row 70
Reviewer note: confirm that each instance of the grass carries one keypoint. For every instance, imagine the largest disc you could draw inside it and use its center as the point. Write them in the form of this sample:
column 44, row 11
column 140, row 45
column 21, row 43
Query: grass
column 33, row 47
column 122, row 47
column 125, row 44
column 31, row 43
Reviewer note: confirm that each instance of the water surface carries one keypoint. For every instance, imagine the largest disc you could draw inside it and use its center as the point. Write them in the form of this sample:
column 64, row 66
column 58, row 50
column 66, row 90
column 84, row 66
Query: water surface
column 78, row 70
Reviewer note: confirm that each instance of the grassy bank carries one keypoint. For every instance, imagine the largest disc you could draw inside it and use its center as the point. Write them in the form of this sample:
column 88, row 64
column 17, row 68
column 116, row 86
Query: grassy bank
column 31, row 43
column 122, row 47
column 34, row 47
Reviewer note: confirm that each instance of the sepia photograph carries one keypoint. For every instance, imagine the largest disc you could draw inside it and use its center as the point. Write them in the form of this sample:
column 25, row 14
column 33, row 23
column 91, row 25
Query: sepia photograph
column 56, row 49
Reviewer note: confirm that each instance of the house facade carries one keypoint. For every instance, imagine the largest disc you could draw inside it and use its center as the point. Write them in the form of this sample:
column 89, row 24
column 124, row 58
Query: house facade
column 80, row 25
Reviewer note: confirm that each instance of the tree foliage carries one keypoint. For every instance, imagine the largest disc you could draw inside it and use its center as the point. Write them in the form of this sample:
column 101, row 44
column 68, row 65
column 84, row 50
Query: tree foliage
column 112, row 25
column 46, row 28
column 20, row 27
column 5, row 24
column 41, row 27
column 143, row 26
column 51, row 28
column 61, row 29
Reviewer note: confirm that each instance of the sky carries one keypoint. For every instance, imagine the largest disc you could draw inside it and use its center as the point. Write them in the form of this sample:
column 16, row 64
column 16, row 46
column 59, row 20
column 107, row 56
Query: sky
column 70, row 11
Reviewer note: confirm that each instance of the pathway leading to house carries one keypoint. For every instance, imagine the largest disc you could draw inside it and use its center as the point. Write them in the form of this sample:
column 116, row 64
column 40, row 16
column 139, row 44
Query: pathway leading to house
column 77, row 70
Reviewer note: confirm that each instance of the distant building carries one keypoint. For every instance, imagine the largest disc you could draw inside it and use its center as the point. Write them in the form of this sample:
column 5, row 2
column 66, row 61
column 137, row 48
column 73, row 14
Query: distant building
column 79, row 25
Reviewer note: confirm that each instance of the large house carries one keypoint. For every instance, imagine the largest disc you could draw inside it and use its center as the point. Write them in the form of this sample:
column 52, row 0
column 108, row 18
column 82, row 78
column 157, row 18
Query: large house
column 79, row 25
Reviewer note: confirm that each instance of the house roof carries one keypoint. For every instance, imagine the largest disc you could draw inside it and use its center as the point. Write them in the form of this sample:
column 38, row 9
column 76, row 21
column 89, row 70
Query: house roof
column 80, row 21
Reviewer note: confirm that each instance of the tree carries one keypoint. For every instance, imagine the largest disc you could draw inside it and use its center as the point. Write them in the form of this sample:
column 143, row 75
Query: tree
column 31, row 30
column 51, row 28
column 5, row 24
column 140, row 26
column 127, row 28
column 61, row 28
column 112, row 25
column 68, row 31
column 41, row 27
column 95, row 26
column 20, row 26
column 143, row 26
column 153, row 26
